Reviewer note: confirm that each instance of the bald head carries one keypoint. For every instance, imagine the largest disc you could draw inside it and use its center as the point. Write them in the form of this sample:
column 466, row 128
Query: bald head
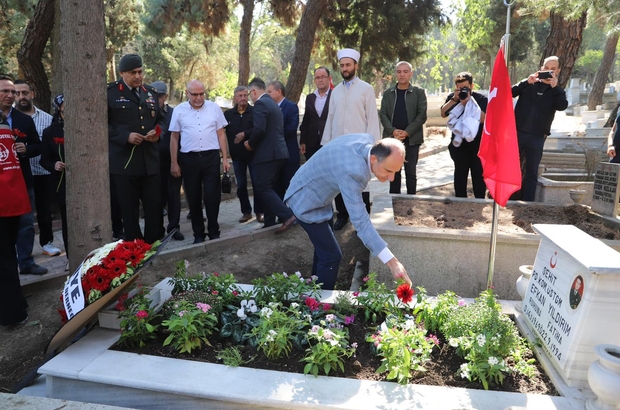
column 387, row 157
column 195, row 93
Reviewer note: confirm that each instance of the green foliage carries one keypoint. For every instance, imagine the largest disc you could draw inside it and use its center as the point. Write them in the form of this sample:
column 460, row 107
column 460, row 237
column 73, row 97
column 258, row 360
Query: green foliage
column 329, row 347
column 485, row 338
column 136, row 326
column 588, row 64
column 343, row 304
column 283, row 287
column 278, row 328
column 238, row 322
column 231, row 356
column 433, row 313
column 221, row 286
column 189, row 327
column 404, row 348
column 376, row 299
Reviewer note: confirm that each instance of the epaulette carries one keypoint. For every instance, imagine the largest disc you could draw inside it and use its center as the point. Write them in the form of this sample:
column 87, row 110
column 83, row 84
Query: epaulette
column 117, row 83
column 146, row 88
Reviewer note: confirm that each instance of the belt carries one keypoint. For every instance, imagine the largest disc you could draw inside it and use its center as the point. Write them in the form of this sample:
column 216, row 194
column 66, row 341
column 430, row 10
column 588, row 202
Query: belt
column 200, row 153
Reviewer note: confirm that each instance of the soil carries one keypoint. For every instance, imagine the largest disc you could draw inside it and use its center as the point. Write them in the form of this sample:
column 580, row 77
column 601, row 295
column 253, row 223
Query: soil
column 440, row 369
column 22, row 348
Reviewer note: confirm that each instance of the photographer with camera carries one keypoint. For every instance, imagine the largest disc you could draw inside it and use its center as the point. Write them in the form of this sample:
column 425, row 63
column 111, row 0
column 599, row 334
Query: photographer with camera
column 466, row 111
column 539, row 98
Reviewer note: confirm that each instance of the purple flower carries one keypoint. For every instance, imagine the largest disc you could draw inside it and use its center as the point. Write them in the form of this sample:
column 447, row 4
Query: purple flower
column 349, row 319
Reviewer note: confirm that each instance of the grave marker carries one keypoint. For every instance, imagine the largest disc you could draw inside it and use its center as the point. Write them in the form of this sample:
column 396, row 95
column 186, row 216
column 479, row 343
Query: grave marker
column 606, row 192
column 571, row 303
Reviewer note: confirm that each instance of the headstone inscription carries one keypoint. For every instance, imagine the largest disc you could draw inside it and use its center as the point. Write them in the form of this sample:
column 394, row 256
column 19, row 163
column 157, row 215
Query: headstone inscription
column 571, row 303
column 606, row 192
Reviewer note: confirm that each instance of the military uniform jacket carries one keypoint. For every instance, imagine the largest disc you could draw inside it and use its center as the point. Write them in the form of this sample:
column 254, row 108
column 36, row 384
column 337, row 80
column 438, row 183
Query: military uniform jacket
column 127, row 114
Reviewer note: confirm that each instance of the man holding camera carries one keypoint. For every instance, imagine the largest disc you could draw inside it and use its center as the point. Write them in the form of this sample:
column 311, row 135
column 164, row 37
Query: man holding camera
column 467, row 110
column 539, row 98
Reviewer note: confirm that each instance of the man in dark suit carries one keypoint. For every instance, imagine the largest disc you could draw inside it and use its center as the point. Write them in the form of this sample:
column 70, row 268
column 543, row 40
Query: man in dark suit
column 27, row 145
column 317, row 106
column 170, row 186
column 133, row 117
column 290, row 117
column 239, row 128
column 271, row 153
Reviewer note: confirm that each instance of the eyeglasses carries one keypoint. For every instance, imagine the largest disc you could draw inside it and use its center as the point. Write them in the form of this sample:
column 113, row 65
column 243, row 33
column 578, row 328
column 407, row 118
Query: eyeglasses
column 197, row 94
column 322, row 77
column 8, row 92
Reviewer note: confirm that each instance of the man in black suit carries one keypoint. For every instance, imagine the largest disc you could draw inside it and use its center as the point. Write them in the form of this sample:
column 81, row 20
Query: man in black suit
column 317, row 106
column 133, row 117
column 27, row 145
column 271, row 153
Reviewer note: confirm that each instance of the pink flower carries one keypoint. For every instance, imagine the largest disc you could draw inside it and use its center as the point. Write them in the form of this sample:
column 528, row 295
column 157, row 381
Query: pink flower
column 235, row 293
column 356, row 294
column 326, row 306
column 203, row 306
column 349, row 319
column 216, row 274
column 462, row 302
column 433, row 338
column 366, row 278
column 312, row 304
column 215, row 292
column 142, row 314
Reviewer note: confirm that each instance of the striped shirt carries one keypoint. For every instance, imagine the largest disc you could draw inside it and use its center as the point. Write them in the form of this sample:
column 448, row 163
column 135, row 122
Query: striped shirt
column 42, row 120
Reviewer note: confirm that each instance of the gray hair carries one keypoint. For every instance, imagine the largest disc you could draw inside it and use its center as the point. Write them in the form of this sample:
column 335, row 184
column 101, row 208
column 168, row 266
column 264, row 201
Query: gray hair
column 240, row 88
column 278, row 86
column 385, row 147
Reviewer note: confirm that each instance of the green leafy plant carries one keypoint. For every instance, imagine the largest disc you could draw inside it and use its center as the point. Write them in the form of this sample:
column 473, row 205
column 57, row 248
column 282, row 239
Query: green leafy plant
column 189, row 326
column 404, row 348
column 222, row 286
column 343, row 304
column 136, row 322
column 433, row 313
column 231, row 356
column 376, row 299
column 281, row 287
column 238, row 322
column 278, row 328
column 329, row 347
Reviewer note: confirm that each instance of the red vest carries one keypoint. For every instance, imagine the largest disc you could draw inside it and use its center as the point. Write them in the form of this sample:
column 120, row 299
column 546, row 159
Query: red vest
column 15, row 199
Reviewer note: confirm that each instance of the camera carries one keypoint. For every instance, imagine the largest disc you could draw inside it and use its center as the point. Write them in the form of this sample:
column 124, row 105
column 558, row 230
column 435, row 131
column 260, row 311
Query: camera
column 464, row 93
column 545, row 75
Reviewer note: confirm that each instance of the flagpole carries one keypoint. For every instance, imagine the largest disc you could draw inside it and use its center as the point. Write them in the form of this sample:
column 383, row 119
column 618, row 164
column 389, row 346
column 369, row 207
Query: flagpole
column 495, row 218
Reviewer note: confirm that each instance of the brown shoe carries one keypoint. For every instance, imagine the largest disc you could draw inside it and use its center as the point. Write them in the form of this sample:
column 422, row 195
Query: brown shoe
column 292, row 221
column 260, row 218
column 245, row 218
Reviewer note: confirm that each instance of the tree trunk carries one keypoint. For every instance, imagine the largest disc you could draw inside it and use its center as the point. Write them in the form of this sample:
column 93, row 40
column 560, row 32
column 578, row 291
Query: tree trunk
column 31, row 52
column 303, row 47
column 600, row 78
column 244, row 42
column 563, row 41
column 56, row 53
column 88, row 184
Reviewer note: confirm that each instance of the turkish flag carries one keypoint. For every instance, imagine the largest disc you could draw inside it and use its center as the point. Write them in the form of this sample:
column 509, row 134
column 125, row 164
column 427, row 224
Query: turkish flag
column 499, row 149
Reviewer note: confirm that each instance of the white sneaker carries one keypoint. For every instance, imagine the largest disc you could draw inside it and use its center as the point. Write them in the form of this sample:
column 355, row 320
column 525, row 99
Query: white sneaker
column 50, row 250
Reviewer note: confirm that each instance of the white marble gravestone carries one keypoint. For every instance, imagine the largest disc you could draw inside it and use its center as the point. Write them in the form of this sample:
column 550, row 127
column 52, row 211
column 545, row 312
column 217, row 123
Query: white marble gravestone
column 605, row 193
column 573, row 299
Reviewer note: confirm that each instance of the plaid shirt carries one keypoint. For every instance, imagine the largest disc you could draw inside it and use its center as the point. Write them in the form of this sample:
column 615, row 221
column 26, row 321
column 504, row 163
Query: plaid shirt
column 42, row 120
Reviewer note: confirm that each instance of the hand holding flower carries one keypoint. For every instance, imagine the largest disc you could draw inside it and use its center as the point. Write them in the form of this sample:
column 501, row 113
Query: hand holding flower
column 59, row 166
column 20, row 147
column 135, row 138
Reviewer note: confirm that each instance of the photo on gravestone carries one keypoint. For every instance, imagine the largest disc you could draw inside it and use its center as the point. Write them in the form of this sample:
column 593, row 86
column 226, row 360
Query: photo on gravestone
column 605, row 192
column 576, row 292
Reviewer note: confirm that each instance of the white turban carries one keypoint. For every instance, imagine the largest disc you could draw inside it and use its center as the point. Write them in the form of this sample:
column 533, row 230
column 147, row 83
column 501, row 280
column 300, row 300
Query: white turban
column 350, row 53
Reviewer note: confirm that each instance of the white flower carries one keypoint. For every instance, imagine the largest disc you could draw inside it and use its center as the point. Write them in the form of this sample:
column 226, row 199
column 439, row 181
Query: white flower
column 241, row 314
column 273, row 305
column 330, row 317
column 284, row 274
column 454, row 342
column 266, row 312
column 269, row 338
column 315, row 329
column 314, row 277
column 493, row 360
column 298, row 274
column 308, row 318
column 294, row 305
column 354, row 345
column 244, row 303
column 252, row 306
column 186, row 264
column 273, row 332
column 481, row 339
column 409, row 324
column 465, row 371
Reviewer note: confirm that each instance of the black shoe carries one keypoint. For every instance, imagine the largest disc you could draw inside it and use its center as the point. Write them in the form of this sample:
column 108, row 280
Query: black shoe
column 212, row 237
column 198, row 240
column 34, row 270
column 165, row 212
column 340, row 223
column 178, row 236
column 292, row 221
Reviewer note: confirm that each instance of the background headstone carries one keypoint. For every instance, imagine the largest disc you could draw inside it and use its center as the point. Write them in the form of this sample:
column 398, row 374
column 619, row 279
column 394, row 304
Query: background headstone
column 606, row 193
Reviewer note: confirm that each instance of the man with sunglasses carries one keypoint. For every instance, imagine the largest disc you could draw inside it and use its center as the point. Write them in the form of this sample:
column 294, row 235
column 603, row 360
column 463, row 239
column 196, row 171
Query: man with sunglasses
column 199, row 125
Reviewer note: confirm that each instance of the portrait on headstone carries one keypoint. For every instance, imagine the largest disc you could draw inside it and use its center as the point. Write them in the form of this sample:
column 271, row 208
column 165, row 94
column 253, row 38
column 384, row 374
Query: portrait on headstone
column 576, row 292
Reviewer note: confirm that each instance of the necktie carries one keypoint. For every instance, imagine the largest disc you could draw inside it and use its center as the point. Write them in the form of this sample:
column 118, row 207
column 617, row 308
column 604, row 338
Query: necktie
column 136, row 91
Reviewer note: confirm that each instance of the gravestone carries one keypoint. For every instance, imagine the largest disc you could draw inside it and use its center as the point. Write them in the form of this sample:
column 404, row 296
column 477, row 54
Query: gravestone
column 606, row 191
column 572, row 301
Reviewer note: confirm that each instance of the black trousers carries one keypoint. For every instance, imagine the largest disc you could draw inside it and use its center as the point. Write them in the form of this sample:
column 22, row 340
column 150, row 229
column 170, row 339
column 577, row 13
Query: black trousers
column 342, row 209
column 266, row 173
column 201, row 174
column 466, row 160
column 411, row 161
column 311, row 151
column 287, row 172
column 131, row 190
column 43, row 195
column 530, row 154
column 12, row 302
column 115, row 208
column 170, row 191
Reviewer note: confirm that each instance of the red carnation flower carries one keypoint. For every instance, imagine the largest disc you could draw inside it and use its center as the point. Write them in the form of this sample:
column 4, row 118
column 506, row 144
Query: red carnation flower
column 59, row 141
column 404, row 293
column 157, row 130
column 135, row 256
column 117, row 268
column 18, row 133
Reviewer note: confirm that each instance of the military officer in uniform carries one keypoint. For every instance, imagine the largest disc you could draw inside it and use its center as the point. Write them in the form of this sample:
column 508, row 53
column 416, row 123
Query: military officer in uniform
column 135, row 123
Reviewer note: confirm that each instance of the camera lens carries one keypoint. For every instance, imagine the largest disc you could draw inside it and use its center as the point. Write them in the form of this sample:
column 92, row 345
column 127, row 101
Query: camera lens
column 463, row 94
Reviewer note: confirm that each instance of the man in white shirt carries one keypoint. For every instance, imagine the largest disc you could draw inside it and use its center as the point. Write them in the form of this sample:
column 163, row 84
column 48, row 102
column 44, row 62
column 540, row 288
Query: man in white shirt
column 352, row 109
column 42, row 183
column 199, row 125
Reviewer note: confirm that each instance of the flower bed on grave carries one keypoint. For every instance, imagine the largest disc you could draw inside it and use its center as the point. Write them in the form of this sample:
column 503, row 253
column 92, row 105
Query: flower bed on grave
column 377, row 334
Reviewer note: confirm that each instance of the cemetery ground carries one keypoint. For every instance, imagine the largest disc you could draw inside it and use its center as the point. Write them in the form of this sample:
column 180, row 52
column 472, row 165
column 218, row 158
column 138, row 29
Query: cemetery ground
column 22, row 348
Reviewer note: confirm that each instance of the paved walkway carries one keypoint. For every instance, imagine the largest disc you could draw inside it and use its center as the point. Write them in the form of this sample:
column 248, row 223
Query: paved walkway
column 434, row 168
